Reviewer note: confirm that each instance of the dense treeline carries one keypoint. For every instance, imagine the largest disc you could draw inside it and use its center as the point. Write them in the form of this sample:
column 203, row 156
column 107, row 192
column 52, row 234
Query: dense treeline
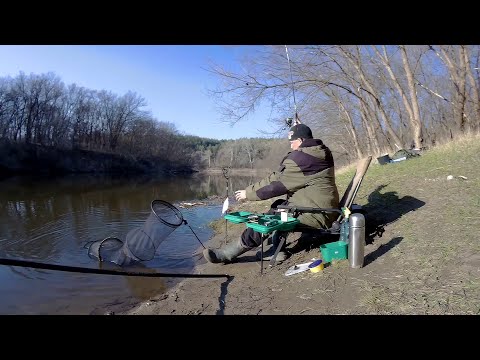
column 38, row 112
column 41, row 110
column 246, row 153
column 361, row 99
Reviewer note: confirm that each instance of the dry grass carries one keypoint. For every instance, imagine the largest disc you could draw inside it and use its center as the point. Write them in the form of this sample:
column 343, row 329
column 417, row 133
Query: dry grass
column 440, row 239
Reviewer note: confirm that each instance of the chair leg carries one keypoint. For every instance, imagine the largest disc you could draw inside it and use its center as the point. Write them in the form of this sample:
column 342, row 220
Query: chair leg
column 277, row 250
column 261, row 258
column 264, row 237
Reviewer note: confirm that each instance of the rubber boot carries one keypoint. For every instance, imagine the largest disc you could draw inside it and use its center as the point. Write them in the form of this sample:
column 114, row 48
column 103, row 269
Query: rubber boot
column 225, row 254
column 282, row 254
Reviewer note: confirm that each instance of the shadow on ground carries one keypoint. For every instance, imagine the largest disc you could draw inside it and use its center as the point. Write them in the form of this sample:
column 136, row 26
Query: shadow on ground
column 382, row 249
column 223, row 295
column 380, row 211
column 384, row 209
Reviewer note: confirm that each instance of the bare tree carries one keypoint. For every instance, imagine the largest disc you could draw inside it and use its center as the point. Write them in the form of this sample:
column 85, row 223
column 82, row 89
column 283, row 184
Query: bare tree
column 415, row 119
column 411, row 105
column 458, row 77
column 475, row 124
column 120, row 111
column 349, row 125
column 366, row 85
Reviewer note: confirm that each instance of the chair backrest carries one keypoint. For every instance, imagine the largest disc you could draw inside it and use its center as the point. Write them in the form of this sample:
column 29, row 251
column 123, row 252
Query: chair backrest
column 352, row 189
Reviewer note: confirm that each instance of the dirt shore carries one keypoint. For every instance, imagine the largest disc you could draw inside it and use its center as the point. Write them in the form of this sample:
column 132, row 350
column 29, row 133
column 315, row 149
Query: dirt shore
column 331, row 291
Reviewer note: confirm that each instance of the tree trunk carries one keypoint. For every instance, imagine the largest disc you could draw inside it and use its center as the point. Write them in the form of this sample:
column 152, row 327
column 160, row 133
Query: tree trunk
column 457, row 103
column 352, row 131
column 416, row 122
column 475, row 124
column 369, row 89
column 462, row 91
column 412, row 109
column 372, row 141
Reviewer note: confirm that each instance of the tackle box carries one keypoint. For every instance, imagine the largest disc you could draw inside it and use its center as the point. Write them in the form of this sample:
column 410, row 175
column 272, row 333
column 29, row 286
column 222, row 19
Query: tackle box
column 334, row 250
column 238, row 216
column 265, row 224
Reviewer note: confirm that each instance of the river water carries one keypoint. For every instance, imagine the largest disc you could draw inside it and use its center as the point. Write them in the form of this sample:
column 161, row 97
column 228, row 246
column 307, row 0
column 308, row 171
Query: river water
column 51, row 219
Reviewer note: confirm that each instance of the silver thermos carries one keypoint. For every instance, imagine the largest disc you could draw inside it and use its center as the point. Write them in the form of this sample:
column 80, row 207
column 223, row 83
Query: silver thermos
column 356, row 241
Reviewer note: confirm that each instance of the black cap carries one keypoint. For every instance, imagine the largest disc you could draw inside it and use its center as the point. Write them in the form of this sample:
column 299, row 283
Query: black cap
column 300, row 131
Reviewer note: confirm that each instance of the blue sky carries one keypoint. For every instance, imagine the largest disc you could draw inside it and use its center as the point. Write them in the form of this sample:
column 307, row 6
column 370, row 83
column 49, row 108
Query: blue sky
column 171, row 78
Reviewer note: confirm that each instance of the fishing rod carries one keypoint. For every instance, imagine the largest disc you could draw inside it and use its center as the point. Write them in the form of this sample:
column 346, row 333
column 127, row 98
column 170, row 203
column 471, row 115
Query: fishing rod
column 297, row 119
column 225, row 203
column 38, row 265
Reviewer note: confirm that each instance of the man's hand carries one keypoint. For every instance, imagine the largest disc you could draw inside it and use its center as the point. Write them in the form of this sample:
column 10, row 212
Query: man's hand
column 240, row 195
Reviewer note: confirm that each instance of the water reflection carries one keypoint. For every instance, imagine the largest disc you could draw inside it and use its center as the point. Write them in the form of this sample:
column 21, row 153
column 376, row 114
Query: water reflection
column 50, row 219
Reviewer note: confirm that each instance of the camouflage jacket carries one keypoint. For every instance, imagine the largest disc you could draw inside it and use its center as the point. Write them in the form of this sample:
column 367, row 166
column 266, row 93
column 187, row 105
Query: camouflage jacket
column 307, row 176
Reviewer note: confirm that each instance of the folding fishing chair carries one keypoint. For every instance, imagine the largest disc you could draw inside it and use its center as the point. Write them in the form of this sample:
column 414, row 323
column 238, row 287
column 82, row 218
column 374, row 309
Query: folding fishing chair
column 345, row 208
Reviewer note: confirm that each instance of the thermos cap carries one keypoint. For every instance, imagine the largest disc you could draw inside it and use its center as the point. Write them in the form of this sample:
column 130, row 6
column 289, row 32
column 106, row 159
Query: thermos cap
column 316, row 266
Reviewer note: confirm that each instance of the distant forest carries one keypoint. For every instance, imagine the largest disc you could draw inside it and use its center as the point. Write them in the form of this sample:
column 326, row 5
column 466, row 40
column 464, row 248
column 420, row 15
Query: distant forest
column 40, row 110
column 358, row 99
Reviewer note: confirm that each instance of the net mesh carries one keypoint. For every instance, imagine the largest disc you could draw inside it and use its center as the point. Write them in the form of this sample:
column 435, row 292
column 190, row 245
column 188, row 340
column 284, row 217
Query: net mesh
column 141, row 243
